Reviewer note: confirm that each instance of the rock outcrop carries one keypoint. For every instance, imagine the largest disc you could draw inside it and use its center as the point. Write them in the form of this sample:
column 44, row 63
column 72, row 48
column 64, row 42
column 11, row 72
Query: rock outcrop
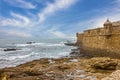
column 104, row 63
column 11, row 49
column 114, row 76
column 73, row 68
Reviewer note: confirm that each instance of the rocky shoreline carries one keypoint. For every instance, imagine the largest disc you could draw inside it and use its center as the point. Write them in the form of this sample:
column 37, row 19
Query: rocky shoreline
column 67, row 68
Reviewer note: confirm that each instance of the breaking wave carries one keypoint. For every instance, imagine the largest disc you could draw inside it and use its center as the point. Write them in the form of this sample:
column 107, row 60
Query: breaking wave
column 40, row 44
column 29, row 52
column 18, row 56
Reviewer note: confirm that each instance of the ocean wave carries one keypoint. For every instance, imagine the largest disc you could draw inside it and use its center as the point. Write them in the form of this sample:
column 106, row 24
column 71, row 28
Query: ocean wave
column 25, row 49
column 54, row 45
column 21, row 45
column 63, row 54
column 58, row 55
column 2, row 49
column 19, row 56
column 40, row 44
column 3, row 60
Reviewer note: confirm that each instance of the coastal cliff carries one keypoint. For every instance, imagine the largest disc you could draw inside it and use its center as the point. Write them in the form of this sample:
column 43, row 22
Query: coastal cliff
column 104, row 41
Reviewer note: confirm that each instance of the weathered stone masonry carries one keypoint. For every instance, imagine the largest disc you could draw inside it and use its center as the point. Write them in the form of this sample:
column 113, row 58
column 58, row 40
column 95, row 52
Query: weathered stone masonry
column 104, row 41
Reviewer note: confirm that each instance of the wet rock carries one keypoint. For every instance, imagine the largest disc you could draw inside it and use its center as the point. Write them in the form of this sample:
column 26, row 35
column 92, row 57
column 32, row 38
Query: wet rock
column 74, row 60
column 77, row 76
column 90, row 78
column 104, row 63
column 63, row 67
column 33, row 72
column 114, row 76
column 11, row 49
column 70, row 43
column 75, row 51
column 29, row 42
column 51, row 61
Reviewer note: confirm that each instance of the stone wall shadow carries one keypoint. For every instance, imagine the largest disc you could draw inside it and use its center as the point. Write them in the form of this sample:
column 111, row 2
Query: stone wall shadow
column 90, row 52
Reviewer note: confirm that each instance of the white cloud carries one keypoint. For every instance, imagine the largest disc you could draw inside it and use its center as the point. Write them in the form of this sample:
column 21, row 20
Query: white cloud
column 15, row 33
column 21, row 21
column 56, row 33
column 17, row 20
column 96, row 22
column 21, row 4
column 51, row 8
column 117, row 1
column 17, row 16
column 111, row 13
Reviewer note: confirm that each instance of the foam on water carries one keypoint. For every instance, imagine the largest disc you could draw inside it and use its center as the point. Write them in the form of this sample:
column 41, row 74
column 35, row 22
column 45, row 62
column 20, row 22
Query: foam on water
column 40, row 44
column 29, row 52
column 22, row 45
column 17, row 57
column 1, row 49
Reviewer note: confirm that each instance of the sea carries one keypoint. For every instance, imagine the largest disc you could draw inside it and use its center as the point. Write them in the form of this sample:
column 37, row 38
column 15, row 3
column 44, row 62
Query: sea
column 40, row 48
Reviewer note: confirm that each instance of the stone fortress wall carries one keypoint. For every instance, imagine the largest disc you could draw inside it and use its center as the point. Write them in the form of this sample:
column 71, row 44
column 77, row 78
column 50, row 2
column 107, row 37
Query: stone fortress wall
column 104, row 41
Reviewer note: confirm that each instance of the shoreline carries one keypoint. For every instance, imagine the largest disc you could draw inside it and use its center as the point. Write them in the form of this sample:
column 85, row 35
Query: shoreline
column 66, row 68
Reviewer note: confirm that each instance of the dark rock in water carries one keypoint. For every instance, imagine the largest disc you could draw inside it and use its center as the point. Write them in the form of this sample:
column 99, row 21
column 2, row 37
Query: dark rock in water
column 104, row 63
column 11, row 49
column 29, row 42
column 75, row 51
column 68, row 43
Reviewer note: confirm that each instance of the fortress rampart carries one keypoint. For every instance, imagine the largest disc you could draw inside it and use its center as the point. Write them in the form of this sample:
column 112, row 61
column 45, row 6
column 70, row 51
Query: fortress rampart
column 104, row 41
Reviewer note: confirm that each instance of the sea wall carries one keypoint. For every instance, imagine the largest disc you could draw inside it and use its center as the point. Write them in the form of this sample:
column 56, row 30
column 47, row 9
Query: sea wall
column 100, row 42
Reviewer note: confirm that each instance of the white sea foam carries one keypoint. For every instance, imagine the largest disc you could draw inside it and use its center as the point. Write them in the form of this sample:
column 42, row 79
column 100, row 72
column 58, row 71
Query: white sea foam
column 49, row 44
column 20, row 56
column 22, row 45
column 3, row 52
column 28, row 52
column 61, row 54
column 39, row 44
column 25, row 49
column 55, row 45
column 74, row 60
column 2, row 49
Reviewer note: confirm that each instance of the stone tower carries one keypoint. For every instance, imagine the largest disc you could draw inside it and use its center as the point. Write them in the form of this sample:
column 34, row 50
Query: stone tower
column 108, row 27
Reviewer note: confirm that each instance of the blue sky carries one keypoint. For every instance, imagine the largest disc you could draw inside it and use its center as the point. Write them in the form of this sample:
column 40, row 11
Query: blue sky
column 54, row 18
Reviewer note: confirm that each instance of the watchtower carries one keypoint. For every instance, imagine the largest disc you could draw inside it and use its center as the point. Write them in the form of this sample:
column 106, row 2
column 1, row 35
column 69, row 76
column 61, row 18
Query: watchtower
column 108, row 27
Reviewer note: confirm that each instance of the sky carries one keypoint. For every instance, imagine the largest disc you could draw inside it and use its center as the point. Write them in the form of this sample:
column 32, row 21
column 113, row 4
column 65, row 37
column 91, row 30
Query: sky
column 54, row 18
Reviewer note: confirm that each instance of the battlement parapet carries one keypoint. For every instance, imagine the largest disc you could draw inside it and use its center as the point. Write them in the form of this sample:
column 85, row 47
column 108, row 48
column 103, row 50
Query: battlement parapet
column 104, row 31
